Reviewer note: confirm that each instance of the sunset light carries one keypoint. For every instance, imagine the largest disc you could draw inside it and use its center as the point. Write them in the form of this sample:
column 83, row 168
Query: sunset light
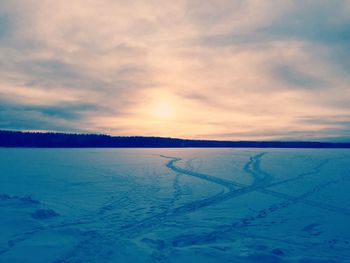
column 163, row 110
column 201, row 131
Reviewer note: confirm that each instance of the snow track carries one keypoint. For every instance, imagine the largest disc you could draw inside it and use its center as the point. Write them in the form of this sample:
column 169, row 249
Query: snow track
column 169, row 210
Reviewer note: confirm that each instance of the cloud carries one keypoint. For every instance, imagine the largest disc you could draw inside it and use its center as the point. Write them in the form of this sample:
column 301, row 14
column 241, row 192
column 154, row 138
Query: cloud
column 230, row 69
column 297, row 78
column 4, row 26
column 41, row 117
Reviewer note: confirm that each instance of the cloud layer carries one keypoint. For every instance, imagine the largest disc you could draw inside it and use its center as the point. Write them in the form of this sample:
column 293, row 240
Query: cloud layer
column 229, row 69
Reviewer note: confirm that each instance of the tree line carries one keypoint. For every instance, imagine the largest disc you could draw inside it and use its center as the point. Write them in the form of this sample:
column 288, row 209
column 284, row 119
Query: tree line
column 68, row 140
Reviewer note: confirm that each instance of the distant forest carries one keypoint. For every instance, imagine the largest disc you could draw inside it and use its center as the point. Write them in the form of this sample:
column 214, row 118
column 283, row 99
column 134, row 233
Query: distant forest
column 66, row 140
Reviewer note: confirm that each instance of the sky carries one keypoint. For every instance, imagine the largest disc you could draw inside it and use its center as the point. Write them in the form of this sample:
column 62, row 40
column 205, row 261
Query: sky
column 201, row 69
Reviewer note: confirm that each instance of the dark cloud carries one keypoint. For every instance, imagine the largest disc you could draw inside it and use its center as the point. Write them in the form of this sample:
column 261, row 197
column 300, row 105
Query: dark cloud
column 339, row 58
column 49, row 68
column 313, row 21
column 51, row 73
column 290, row 135
column 295, row 78
column 33, row 120
column 341, row 135
column 203, row 99
column 66, row 112
column 340, row 121
column 5, row 26
column 33, row 117
column 335, row 36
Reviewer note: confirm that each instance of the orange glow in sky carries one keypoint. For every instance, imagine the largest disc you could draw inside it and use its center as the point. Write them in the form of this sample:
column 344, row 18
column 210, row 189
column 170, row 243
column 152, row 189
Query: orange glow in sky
column 196, row 69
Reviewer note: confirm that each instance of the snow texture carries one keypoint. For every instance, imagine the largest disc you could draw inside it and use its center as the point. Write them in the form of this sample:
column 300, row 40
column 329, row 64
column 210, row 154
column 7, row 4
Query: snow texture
column 174, row 205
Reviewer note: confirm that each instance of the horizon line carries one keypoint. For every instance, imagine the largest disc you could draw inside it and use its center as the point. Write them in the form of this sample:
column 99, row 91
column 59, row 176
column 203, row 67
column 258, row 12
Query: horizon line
column 162, row 137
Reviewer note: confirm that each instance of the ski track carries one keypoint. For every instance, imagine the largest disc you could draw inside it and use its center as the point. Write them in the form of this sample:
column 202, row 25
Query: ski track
column 226, row 230
column 133, row 230
column 230, row 190
column 316, row 170
column 260, row 180
column 86, row 247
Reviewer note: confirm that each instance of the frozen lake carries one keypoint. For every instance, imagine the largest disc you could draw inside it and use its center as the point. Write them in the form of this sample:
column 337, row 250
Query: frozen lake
column 174, row 205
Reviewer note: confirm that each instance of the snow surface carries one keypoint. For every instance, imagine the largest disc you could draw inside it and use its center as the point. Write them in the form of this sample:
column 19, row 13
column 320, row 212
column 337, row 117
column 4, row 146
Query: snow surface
column 174, row 205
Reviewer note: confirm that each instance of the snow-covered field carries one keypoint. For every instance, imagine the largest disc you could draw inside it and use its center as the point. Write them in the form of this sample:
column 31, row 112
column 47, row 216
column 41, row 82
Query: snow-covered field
column 174, row 205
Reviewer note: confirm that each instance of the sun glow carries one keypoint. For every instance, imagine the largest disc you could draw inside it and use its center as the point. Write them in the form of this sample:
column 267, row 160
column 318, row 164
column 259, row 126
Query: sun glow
column 163, row 110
